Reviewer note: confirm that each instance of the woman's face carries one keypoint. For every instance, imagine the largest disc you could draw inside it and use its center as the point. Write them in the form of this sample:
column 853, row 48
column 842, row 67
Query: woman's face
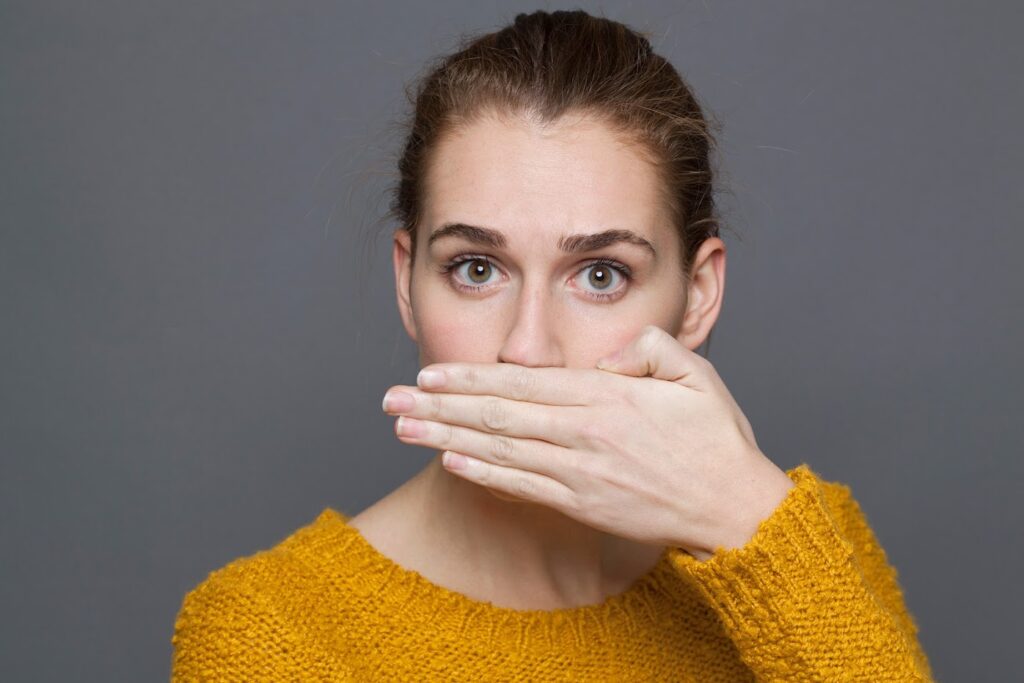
column 511, row 265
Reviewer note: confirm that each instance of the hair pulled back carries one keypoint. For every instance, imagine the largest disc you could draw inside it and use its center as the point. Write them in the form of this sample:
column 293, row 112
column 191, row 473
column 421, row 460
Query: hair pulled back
column 548, row 64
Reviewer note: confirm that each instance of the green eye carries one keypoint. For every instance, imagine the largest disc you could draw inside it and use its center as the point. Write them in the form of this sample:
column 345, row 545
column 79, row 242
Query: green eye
column 479, row 268
column 600, row 275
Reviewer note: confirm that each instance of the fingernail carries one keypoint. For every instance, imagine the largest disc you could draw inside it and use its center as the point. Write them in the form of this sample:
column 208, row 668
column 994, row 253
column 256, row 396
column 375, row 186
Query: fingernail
column 453, row 461
column 397, row 402
column 407, row 426
column 430, row 379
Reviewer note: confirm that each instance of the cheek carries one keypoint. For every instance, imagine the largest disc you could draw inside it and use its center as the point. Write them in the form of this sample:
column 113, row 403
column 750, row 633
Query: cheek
column 591, row 355
column 441, row 342
column 604, row 340
column 663, row 309
column 447, row 331
column 445, row 338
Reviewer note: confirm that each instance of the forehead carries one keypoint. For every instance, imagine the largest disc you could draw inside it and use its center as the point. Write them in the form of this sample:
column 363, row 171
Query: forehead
column 532, row 181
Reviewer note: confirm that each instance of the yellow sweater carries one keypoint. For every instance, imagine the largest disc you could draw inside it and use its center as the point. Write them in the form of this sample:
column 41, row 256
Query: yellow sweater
column 811, row 597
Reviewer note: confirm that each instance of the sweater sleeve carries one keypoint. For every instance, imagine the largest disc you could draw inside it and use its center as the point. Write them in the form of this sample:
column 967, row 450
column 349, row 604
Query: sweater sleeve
column 227, row 630
column 811, row 596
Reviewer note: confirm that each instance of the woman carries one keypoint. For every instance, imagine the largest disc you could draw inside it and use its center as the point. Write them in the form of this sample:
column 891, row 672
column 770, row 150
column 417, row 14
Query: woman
column 595, row 515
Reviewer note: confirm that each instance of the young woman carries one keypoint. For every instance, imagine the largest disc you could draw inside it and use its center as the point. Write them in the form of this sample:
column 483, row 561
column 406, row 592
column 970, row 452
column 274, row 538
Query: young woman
column 602, row 510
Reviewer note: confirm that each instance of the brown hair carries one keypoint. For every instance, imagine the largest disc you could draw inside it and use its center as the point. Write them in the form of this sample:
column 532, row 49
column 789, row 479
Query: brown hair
column 544, row 65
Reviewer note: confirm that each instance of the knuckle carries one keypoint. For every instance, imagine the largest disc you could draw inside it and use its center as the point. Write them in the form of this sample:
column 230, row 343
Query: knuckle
column 651, row 337
column 572, row 503
column 519, row 384
column 523, row 487
column 704, row 363
column 652, row 334
column 594, row 433
column 608, row 474
column 550, row 424
column 494, row 415
column 447, row 434
column 470, row 377
column 581, row 467
column 706, row 370
column 434, row 406
column 502, row 448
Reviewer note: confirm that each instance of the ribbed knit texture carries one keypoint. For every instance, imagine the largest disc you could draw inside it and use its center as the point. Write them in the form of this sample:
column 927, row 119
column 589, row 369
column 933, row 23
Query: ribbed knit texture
column 811, row 597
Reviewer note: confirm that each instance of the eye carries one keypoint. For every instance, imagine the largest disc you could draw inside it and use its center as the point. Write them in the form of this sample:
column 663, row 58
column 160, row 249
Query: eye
column 601, row 274
column 480, row 268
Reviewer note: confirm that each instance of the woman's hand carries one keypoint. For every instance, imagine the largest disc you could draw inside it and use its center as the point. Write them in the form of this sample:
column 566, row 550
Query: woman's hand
column 650, row 447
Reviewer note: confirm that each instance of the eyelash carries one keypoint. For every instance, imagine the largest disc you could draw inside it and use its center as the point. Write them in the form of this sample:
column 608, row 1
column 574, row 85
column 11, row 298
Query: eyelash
column 622, row 269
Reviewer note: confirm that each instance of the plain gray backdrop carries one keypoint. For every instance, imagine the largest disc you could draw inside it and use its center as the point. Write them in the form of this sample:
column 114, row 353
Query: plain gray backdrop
column 199, row 320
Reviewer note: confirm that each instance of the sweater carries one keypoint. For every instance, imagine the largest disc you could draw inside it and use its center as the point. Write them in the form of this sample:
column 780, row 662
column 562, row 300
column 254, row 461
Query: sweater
column 810, row 597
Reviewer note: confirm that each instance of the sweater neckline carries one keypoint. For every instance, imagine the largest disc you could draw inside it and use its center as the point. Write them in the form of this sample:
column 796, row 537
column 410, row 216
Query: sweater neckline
column 643, row 602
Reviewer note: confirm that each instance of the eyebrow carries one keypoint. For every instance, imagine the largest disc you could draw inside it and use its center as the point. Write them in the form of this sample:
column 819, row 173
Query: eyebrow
column 567, row 243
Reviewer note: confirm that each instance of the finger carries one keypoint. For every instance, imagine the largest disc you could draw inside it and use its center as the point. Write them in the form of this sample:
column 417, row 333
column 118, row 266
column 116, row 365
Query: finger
column 549, row 385
column 655, row 353
column 555, row 424
column 499, row 449
column 519, row 483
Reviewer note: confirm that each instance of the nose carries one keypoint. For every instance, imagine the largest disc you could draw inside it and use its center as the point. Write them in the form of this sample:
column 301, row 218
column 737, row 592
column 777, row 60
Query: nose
column 533, row 333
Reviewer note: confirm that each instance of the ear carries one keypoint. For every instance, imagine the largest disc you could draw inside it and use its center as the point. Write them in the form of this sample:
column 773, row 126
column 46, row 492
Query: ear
column 402, row 257
column 704, row 294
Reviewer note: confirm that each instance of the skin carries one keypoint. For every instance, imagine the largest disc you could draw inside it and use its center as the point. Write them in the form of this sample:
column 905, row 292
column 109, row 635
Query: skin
column 606, row 466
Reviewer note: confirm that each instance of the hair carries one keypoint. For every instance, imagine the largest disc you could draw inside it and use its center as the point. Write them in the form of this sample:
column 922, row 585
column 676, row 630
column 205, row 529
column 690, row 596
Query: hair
column 545, row 65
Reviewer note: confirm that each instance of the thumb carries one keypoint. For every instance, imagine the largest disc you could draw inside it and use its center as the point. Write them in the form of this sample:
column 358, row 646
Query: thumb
column 654, row 353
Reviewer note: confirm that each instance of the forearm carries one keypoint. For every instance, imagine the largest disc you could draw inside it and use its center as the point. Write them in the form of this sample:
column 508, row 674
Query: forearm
column 798, row 604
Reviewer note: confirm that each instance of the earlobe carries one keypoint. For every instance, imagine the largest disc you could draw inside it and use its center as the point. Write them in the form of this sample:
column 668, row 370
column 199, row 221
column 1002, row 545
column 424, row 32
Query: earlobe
column 704, row 295
column 401, row 257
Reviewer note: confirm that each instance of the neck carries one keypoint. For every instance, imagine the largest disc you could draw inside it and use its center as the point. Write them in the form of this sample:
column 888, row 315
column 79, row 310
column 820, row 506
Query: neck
column 522, row 553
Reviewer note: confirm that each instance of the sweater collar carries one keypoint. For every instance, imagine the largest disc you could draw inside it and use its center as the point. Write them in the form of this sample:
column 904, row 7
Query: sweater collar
column 347, row 562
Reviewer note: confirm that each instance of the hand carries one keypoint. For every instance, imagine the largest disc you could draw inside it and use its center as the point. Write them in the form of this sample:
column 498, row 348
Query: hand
column 650, row 447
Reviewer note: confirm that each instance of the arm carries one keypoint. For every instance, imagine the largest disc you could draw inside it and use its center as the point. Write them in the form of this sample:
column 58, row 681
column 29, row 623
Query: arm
column 811, row 596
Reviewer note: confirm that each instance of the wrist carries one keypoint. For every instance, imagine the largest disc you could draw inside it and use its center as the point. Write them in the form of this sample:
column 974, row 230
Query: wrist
column 763, row 493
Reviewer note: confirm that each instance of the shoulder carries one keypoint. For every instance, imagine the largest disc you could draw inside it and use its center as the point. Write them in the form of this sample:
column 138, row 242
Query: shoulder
column 239, row 581
column 268, row 579
column 246, row 620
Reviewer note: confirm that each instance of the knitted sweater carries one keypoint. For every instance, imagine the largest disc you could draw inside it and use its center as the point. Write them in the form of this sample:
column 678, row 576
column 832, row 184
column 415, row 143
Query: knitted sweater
column 810, row 597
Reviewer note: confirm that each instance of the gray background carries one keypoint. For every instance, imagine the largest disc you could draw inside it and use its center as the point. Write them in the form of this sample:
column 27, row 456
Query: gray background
column 198, row 316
